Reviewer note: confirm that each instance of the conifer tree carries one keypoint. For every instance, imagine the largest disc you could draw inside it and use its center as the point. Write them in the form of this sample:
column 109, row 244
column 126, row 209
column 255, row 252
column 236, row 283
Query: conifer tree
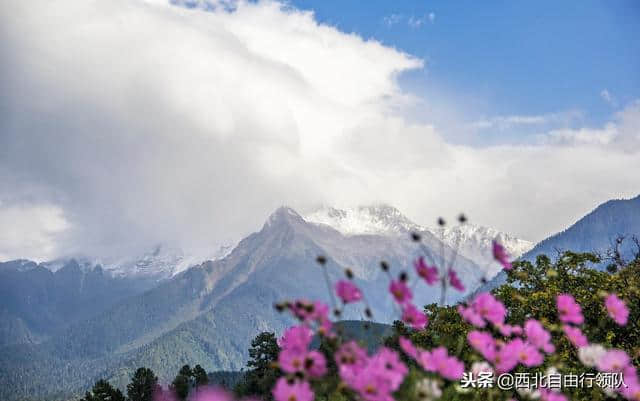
column 143, row 385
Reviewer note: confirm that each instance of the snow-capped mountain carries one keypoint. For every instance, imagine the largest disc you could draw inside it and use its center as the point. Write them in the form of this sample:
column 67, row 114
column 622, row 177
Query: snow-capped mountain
column 376, row 219
column 474, row 242
column 159, row 263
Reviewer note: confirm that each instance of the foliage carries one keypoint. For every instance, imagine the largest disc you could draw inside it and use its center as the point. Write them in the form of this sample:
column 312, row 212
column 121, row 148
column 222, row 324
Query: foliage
column 143, row 385
column 261, row 376
column 103, row 391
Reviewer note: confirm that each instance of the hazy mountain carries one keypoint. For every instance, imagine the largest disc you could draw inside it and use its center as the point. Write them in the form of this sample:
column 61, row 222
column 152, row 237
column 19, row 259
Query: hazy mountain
column 159, row 263
column 595, row 232
column 37, row 302
column 209, row 313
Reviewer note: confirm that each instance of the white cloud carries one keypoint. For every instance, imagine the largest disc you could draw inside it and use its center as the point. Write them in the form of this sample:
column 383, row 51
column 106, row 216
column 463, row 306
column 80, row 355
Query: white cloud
column 30, row 231
column 511, row 121
column 607, row 97
column 137, row 122
column 393, row 19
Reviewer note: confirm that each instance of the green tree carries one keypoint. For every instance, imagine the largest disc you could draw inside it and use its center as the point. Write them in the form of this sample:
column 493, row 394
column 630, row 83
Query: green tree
column 143, row 385
column 262, row 374
column 181, row 386
column 103, row 391
column 200, row 376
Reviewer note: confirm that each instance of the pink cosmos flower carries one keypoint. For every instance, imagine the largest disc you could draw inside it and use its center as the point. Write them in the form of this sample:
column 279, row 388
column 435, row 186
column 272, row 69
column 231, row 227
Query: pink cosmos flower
column 297, row 390
column 500, row 254
column 291, row 360
column 575, row 336
column 387, row 362
column 632, row 389
column 508, row 356
column 487, row 306
column 447, row 366
column 351, row 359
column 414, row 317
column 407, row 347
column 617, row 309
column 569, row 310
column 315, row 364
column 454, row 280
column 471, row 316
column 296, row 339
column 347, row 291
column 484, row 343
column 381, row 375
column 401, row 293
column 614, row 360
column 425, row 360
column 428, row 273
column 529, row 355
column 538, row 336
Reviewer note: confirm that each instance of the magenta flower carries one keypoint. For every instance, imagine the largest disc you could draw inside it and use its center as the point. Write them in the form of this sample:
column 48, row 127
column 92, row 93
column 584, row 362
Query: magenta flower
column 414, row 317
column 500, row 254
column 508, row 356
column 471, row 316
column 401, row 293
column 538, row 336
column 632, row 389
column 617, row 309
column 447, row 366
column 296, row 339
column 295, row 390
column 529, row 355
column 484, row 343
column 487, row 306
column 425, row 360
column 347, row 291
column 388, row 363
column 291, row 360
column 315, row 364
column 407, row 347
column 569, row 310
column 351, row 359
column 575, row 336
column 428, row 273
column 454, row 280
column 614, row 360
column 372, row 386
column 380, row 375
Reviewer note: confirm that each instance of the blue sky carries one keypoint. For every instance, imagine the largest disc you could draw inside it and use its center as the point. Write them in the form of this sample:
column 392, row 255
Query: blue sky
column 507, row 57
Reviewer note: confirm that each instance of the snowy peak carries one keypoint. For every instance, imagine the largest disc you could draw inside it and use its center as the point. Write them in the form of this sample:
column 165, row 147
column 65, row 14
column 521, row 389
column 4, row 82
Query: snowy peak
column 474, row 242
column 374, row 219
column 283, row 214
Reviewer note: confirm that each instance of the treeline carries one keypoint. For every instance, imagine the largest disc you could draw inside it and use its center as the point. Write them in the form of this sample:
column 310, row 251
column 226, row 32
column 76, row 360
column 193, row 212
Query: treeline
column 144, row 386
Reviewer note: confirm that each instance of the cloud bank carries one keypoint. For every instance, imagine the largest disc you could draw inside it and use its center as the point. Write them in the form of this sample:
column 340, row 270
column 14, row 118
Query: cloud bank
column 128, row 123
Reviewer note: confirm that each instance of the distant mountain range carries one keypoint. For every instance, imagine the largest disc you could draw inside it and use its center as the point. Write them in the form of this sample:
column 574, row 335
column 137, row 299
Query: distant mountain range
column 115, row 319
column 207, row 314
column 595, row 232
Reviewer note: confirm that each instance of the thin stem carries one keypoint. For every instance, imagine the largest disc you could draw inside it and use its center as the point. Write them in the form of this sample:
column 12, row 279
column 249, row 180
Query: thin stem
column 334, row 304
